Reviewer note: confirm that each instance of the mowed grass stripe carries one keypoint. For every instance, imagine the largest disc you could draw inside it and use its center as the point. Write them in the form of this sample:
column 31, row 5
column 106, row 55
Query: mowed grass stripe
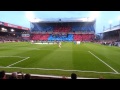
column 5, row 61
column 85, row 61
column 81, row 60
column 103, row 62
column 55, row 58
column 59, row 58
column 36, row 56
column 108, row 54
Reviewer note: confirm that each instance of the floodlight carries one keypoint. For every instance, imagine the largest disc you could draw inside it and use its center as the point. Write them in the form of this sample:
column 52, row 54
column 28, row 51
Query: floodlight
column 29, row 15
column 94, row 14
column 12, row 30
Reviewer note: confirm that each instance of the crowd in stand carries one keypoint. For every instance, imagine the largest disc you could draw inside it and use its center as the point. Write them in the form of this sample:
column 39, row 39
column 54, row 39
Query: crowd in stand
column 110, row 42
column 9, row 39
column 59, row 35
column 14, row 75
column 62, row 32
column 20, row 75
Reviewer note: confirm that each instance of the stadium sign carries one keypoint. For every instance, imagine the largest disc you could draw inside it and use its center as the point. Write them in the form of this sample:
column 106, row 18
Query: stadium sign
column 25, row 28
column 11, row 25
column 25, row 35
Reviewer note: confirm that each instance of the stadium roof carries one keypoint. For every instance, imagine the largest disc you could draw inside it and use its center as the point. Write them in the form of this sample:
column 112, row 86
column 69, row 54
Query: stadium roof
column 12, row 26
column 87, row 19
column 112, row 29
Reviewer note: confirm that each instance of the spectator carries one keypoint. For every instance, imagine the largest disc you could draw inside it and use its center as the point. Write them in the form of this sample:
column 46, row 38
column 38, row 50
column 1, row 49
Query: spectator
column 27, row 76
column 73, row 76
column 2, row 75
column 14, row 76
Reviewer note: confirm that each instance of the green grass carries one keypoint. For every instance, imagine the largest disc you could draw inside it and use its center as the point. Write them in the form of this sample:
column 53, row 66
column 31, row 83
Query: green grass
column 57, row 60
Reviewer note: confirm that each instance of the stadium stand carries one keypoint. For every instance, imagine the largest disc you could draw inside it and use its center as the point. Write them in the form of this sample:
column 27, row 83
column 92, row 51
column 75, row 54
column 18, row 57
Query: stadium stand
column 63, row 31
column 41, row 37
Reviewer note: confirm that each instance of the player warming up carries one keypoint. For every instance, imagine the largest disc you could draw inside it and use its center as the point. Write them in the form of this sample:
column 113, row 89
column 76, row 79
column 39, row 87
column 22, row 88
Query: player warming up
column 59, row 44
column 32, row 41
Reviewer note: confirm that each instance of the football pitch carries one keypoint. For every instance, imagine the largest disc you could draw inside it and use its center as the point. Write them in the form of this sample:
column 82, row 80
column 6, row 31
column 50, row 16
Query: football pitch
column 88, row 60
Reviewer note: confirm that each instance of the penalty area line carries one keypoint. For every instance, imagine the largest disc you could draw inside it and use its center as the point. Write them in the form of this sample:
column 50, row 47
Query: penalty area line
column 103, row 62
column 18, row 62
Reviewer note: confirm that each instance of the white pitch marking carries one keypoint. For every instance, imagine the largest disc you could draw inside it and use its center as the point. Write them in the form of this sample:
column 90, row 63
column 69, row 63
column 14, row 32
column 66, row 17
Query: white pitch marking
column 13, row 56
column 61, row 70
column 18, row 62
column 103, row 62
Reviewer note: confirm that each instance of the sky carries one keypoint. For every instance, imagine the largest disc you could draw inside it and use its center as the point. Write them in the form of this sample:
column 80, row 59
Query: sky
column 102, row 19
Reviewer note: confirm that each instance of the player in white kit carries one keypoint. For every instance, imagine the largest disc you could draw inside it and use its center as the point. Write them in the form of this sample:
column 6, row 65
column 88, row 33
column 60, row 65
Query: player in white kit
column 59, row 44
